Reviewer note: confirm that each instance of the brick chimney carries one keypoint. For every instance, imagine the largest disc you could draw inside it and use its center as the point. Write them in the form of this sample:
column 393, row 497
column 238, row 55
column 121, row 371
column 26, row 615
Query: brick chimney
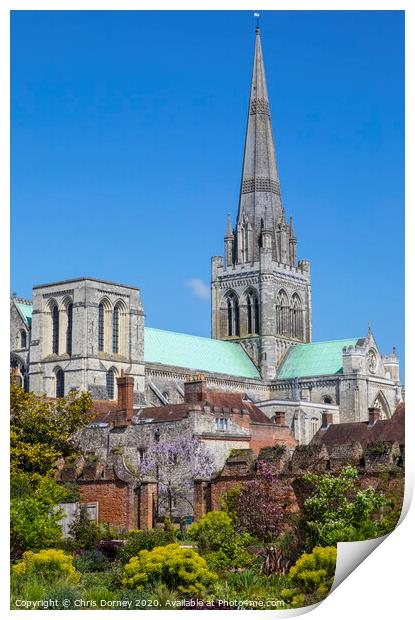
column 196, row 391
column 280, row 418
column 374, row 415
column 326, row 419
column 125, row 385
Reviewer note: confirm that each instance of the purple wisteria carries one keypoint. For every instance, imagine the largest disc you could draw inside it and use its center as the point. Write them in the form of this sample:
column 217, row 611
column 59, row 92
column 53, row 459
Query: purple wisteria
column 175, row 464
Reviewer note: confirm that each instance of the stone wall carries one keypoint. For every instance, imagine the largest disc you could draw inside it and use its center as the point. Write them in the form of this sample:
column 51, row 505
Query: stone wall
column 379, row 465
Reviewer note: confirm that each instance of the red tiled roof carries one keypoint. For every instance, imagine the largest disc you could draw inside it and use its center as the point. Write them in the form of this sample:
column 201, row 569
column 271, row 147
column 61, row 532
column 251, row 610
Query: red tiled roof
column 349, row 432
column 104, row 410
column 221, row 400
column 166, row 413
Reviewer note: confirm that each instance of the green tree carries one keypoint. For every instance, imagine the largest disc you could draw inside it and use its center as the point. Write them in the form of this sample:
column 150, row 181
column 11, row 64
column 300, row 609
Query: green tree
column 338, row 510
column 40, row 429
column 84, row 533
column 34, row 518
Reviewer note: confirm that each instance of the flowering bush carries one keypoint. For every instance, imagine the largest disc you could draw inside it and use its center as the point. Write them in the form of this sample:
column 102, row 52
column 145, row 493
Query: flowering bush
column 221, row 545
column 256, row 507
column 312, row 576
column 180, row 569
column 46, row 565
column 138, row 540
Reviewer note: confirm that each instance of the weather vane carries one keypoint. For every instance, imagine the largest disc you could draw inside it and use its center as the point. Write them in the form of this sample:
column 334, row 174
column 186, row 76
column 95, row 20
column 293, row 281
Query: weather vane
column 257, row 15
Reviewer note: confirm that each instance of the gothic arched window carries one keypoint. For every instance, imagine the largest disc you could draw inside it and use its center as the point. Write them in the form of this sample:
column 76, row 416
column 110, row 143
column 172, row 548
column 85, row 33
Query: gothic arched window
column 283, row 317
column 296, row 317
column 69, row 314
column 111, row 384
column 252, row 307
column 101, row 324
column 115, row 329
column 23, row 339
column 60, row 383
column 381, row 403
column 233, row 315
column 314, row 426
column 55, row 329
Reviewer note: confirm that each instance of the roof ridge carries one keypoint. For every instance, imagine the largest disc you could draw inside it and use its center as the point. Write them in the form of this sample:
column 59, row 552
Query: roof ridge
column 302, row 344
column 169, row 331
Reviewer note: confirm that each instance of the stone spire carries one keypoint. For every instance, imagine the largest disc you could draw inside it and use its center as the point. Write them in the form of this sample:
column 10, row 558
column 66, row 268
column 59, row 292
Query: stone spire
column 229, row 231
column 293, row 243
column 229, row 239
column 260, row 187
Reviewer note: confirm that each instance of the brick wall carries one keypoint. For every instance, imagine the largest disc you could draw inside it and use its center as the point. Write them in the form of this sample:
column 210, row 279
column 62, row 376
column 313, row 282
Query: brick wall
column 386, row 475
column 117, row 502
column 264, row 435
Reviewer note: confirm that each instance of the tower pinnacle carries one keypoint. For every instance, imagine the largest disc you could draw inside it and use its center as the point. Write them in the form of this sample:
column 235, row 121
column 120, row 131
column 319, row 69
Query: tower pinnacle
column 260, row 186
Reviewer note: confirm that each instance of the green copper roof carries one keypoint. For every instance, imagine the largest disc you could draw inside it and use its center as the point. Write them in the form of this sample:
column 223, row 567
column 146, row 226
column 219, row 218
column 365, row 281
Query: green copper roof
column 26, row 311
column 197, row 353
column 314, row 358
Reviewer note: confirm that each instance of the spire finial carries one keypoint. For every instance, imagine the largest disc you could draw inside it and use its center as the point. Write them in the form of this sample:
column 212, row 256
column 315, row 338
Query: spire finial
column 257, row 15
column 292, row 234
column 229, row 231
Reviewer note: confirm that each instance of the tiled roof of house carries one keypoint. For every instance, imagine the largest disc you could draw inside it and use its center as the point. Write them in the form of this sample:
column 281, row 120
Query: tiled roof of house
column 348, row 432
column 197, row 353
column 219, row 400
column 314, row 358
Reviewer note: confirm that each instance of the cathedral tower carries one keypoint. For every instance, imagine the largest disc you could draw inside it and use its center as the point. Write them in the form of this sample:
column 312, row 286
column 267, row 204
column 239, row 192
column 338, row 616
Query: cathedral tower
column 261, row 295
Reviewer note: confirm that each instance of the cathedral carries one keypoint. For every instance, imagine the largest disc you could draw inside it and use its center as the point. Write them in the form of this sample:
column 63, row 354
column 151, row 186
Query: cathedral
column 84, row 333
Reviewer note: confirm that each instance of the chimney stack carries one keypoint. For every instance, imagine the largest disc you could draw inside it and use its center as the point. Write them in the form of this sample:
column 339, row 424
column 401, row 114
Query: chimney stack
column 196, row 391
column 280, row 418
column 374, row 415
column 326, row 419
column 125, row 385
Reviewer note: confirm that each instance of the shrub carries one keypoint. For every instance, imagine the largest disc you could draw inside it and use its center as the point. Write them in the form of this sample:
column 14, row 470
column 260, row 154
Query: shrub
column 138, row 540
column 168, row 525
column 83, row 532
column 47, row 565
column 98, row 580
column 34, row 519
column 337, row 510
column 378, row 449
column 311, row 576
column 180, row 569
column 247, row 588
column 222, row 546
column 64, row 595
column 91, row 561
column 258, row 508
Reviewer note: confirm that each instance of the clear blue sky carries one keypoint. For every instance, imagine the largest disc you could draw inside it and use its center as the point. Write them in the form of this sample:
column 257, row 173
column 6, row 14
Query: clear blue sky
column 127, row 141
